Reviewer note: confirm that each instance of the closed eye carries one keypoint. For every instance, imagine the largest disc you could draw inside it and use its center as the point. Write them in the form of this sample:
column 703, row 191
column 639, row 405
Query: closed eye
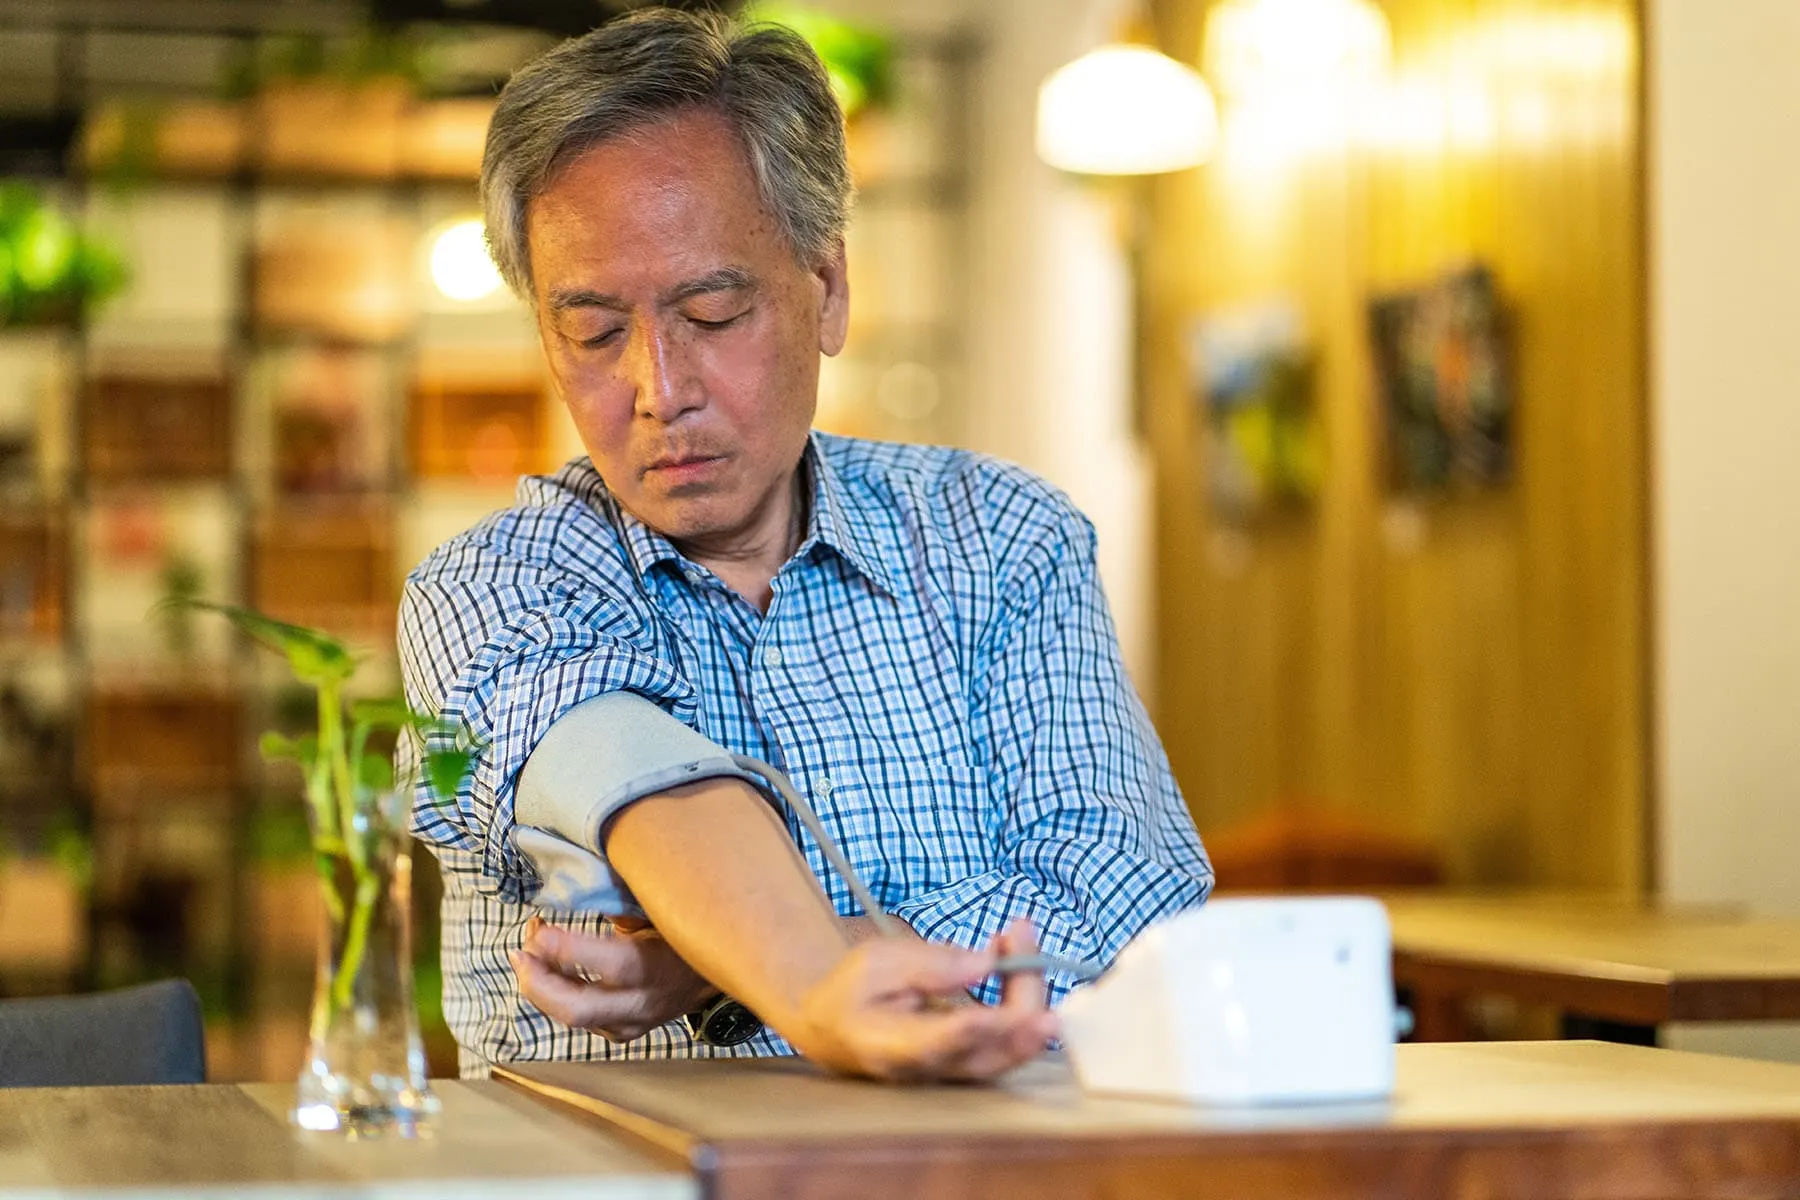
column 726, row 323
column 602, row 339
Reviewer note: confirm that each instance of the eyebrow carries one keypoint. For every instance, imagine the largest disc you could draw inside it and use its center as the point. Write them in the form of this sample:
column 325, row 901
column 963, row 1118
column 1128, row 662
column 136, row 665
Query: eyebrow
column 725, row 279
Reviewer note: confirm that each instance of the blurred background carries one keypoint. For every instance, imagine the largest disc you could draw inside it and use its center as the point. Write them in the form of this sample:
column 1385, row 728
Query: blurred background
column 1426, row 366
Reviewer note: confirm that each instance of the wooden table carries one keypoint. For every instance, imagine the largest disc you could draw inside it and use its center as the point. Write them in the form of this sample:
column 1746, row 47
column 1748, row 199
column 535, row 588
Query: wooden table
column 223, row 1140
column 1627, row 965
column 1533, row 1120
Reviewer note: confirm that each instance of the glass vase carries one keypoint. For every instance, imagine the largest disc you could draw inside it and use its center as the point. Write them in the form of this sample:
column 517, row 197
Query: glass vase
column 365, row 1072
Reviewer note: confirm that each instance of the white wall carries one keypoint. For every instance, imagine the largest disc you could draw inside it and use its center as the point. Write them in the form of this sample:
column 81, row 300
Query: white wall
column 1050, row 338
column 1050, row 342
column 1725, row 369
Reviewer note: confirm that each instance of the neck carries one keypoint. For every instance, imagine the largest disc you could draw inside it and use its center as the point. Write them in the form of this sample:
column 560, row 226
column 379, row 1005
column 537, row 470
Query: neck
column 748, row 564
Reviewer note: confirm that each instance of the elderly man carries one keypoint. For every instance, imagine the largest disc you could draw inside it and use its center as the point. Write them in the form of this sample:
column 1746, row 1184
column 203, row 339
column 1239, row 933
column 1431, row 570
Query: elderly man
column 914, row 635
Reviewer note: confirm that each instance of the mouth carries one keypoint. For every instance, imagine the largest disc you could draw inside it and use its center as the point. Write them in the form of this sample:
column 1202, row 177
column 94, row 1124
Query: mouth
column 683, row 468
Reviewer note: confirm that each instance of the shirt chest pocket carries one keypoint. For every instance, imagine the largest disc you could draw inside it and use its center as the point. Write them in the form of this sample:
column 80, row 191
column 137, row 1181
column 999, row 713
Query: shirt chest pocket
column 909, row 826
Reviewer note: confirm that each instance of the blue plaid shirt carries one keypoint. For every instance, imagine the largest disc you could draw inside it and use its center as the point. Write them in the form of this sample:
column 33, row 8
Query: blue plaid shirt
column 937, row 671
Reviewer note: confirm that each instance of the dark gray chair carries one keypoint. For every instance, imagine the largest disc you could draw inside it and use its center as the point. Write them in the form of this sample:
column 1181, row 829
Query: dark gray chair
column 151, row 1033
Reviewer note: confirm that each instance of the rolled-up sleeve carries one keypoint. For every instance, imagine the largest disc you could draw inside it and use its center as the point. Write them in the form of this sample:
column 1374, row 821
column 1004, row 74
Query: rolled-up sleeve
column 1094, row 839
column 507, row 654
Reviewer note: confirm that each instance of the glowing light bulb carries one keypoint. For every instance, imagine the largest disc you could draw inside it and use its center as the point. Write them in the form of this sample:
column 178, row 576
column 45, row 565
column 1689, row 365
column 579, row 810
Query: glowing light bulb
column 460, row 266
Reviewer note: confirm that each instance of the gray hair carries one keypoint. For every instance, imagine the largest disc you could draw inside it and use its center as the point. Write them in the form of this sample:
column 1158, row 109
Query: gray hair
column 649, row 66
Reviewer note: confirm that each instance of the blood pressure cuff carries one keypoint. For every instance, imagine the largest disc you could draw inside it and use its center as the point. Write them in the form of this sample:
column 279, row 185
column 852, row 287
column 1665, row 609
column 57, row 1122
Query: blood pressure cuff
column 600, row 757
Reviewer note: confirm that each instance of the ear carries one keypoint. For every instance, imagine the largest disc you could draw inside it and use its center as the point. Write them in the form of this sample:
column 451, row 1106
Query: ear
column 834, row 300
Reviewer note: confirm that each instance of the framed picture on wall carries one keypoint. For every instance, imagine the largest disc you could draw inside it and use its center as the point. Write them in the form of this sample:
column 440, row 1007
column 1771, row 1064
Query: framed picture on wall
column 1251, row 373
column 1443, row 387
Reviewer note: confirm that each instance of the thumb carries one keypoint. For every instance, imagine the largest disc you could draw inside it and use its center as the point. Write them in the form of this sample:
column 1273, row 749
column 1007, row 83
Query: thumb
column 629, row 924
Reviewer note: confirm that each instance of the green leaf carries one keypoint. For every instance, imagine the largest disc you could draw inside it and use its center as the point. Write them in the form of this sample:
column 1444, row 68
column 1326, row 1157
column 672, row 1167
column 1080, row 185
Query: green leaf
column 43, row 250
column 99, row 271
column 278, row 833
column 277, row 748
column 375, row 773
column 858, row 59
column 72, row 849
column 445, row 771
column 387, row 712
column 314, row 657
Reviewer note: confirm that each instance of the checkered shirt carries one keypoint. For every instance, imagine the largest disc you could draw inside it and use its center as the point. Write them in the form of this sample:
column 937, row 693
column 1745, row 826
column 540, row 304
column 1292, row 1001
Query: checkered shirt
column 938, row 672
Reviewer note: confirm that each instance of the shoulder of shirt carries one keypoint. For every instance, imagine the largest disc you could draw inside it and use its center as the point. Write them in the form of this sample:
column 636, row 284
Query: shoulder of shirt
column 553, row 527
column 1023, row 521
column 876, row 472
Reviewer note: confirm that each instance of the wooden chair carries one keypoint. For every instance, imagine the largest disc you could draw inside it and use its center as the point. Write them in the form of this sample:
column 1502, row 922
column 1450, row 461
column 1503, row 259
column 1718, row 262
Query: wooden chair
column 1292, row 848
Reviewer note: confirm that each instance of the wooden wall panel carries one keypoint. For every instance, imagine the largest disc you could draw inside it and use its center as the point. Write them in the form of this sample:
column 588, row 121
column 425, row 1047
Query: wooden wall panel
column 1470, row 670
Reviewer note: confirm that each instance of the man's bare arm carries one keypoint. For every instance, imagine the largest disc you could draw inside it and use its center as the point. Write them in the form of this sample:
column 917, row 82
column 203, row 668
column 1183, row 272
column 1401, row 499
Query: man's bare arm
column 713, row 868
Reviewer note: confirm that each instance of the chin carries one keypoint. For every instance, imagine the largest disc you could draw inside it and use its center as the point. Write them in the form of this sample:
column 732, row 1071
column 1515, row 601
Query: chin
column 682, row 520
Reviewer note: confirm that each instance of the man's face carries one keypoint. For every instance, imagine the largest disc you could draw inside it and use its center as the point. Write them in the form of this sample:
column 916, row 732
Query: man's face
column 681, row 331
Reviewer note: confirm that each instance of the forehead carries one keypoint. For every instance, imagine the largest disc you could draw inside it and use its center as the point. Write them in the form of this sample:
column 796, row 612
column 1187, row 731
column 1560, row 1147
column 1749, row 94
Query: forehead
column 679, row 191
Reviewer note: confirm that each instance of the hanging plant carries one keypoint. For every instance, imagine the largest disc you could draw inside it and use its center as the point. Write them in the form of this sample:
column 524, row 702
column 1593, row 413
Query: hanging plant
column 858, row 60
column 50, row 271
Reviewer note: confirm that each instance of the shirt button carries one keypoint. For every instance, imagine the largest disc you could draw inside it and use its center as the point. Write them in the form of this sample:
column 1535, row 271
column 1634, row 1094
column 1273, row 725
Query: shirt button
column 772, row 656
column 822, row 789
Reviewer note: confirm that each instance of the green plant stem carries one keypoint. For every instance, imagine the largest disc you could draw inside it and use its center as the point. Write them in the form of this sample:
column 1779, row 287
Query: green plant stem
column 356, row 941
column 318, row 782
column 333, row 751
column 349, row 842
column 326, row 864
column 327, row 846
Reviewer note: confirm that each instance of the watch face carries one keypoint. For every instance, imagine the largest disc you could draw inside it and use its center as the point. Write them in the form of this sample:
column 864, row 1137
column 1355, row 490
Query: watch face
column 727, row 1023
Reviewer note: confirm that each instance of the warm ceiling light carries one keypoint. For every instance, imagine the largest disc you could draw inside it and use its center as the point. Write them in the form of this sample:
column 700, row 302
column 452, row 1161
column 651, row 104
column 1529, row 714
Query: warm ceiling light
column 1255, row 46
column 460, row 266
column 1125, row 110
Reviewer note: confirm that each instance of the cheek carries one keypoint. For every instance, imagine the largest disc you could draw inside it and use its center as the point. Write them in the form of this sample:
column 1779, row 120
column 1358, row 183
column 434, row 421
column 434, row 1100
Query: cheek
column 595, row 398
column 769, row 384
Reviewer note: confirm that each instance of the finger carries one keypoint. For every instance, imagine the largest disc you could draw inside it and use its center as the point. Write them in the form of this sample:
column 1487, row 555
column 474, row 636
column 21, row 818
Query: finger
column 935, row 1042
column 576, row 1004
column 1000, row 1046
column 1018, row 1044
column 602, row 956
column 970, row 1043
column 1020, row 991
column 630, row 924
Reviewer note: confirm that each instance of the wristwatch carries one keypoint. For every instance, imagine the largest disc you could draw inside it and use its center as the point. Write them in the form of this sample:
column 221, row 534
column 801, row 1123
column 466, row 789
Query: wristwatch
column 722, row 1021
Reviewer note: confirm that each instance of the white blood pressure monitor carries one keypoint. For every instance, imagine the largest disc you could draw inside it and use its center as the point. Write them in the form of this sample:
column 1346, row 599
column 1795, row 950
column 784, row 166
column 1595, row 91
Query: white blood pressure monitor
column 1244, row 1001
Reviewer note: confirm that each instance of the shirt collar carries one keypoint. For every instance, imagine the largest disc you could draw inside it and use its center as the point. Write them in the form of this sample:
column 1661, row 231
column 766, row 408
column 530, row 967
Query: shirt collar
column 646, row 546
column 830, row 522
column 841, row 525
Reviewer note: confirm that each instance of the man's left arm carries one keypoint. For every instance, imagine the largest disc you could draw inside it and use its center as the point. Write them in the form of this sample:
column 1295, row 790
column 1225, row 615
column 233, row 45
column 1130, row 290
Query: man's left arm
column 1095, row 840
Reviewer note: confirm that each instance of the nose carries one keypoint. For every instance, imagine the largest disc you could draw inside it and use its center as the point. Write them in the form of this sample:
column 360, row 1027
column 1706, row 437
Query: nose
column 659, row 368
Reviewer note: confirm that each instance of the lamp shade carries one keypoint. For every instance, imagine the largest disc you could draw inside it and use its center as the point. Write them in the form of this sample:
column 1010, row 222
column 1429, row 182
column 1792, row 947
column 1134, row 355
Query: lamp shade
column 1125, row 110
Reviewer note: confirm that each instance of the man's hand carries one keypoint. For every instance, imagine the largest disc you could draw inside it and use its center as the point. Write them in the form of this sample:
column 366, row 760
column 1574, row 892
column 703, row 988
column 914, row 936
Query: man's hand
column 621, row 982
column 887, row 1011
